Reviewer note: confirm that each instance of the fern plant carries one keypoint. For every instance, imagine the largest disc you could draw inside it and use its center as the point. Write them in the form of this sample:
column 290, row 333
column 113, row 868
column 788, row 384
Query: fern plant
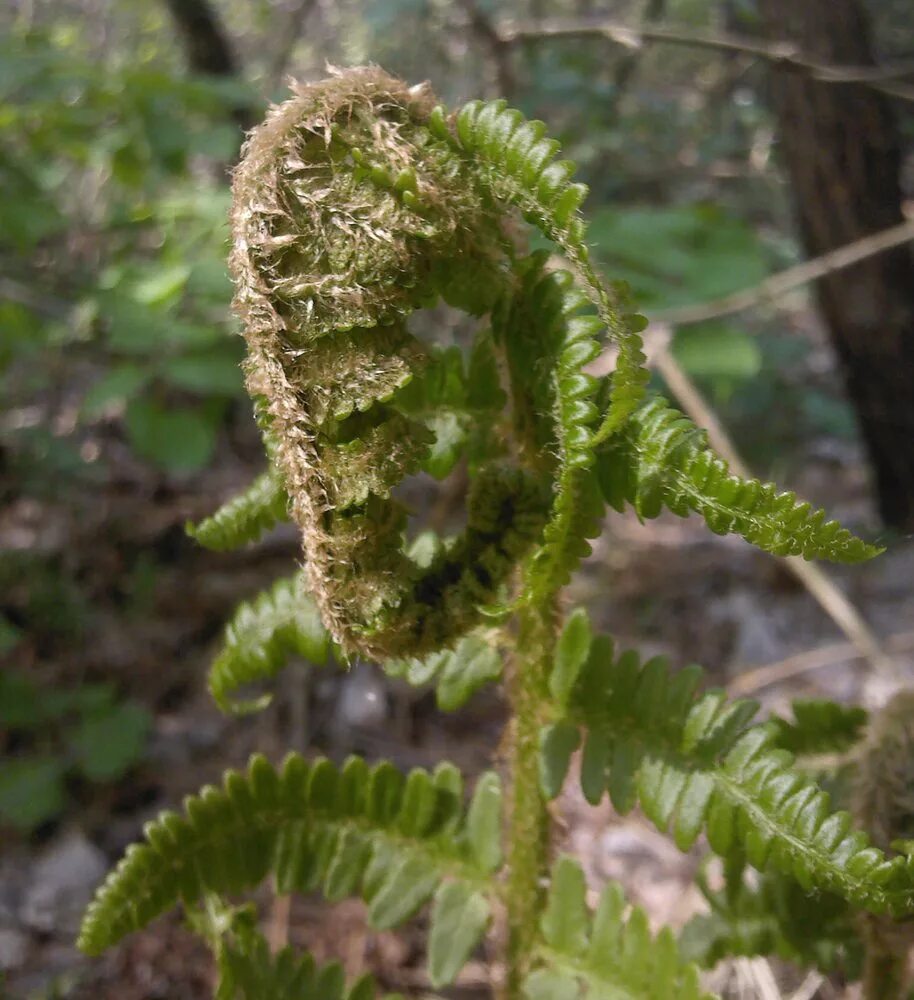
column 360, row 202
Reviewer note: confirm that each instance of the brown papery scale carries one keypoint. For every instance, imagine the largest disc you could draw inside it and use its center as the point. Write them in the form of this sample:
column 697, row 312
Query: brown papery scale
column 348, row 216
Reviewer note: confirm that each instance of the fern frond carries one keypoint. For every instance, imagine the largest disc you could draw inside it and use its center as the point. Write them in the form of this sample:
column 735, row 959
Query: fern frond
column 261, row 635
column 663, row 460
column 776, row 917
column 455, row 673
column 246, row 517
column 356, row 403
column 693, row 761
column 325, row 307
column 248, row 971
column 548, row 342
column 819, row 727
column 577, row 516
column 604, row 954
column 520, row 165
column 393, row 838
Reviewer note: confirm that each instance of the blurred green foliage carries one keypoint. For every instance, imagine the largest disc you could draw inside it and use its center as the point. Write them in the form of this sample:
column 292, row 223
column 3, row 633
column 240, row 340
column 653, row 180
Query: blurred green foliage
column 82, row 731
column 679, row 255
column 114, row 199
column 114, row 161
column 686, row 255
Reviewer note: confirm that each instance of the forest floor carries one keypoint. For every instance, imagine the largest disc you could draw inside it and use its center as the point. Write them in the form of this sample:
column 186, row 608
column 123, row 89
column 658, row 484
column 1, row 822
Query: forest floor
column 154, row 607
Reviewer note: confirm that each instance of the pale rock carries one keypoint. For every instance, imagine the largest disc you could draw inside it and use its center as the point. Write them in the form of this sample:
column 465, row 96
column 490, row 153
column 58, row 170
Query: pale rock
column 14, row 946
column 61, row 884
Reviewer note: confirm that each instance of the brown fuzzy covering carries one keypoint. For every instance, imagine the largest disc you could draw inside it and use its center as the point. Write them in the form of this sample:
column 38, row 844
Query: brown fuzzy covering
column 348, row 215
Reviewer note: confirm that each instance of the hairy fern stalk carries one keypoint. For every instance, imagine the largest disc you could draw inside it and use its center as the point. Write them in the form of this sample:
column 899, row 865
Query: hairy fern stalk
column 359, row 202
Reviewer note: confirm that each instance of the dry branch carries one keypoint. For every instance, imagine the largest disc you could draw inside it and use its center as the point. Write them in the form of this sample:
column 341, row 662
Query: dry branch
column 889, row 79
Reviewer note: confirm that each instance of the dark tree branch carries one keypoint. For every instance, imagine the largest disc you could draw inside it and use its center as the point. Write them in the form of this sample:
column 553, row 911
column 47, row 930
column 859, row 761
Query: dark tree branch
column 208, row 49
column 500, row 47
column 891, row 79
column 209, row 52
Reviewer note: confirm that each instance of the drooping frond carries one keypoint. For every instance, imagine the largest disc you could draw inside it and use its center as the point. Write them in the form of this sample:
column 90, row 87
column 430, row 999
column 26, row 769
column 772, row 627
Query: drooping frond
column 455, row 673
column 395, row 839
column 606, row 953
column 521, row 167
column 663, row 460
column 261, row 635
column 694, row 762
column 246, row 517
column 820, row 726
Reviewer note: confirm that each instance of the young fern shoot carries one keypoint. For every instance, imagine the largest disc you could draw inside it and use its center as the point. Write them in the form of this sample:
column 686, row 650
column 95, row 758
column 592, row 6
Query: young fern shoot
column 359, row 202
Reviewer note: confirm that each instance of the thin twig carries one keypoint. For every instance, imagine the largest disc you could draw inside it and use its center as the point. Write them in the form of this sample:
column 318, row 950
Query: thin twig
column 278, row 929
column 809, row 987
column 793, row 277
column 750, row 681
column 758, row 974
column 829, row 596
column 889, row 79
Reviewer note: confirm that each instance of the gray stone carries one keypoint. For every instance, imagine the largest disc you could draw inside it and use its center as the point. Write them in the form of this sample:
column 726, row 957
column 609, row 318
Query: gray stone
column 61, row 884
column 362, row 699
column 14, row 946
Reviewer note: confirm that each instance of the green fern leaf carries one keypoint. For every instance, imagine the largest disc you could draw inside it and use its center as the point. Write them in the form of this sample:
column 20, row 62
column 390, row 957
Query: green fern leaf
column 605, row 954
column 460, row 916
column 694, row 761
column 248, row 971
column 571, row 653
column 484, row 822
column 775, row 917
column 519, row 164
column 663, row 460
column 820, row 726
column 260, row 637
column 246, row 517
column 557, row 743
column 390, row 837
column 456, row 673
column 548, row 341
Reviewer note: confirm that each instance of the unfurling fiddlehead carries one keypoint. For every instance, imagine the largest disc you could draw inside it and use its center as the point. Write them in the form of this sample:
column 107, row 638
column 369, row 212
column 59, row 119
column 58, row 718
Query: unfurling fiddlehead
column 358, row 203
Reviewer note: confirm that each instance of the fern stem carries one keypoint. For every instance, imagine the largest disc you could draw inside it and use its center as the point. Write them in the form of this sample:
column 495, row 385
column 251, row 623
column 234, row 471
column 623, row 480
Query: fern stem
column 528, row 818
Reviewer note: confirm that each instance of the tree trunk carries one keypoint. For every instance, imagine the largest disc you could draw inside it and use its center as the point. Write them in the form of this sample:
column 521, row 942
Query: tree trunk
column 842, row 150
column 208, row 50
